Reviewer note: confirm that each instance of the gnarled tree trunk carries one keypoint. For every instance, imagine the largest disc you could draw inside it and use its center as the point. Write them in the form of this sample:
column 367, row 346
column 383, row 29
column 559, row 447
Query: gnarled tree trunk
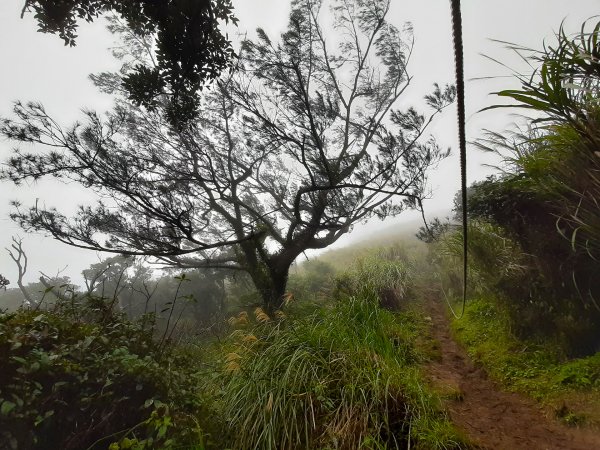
column 270, row 283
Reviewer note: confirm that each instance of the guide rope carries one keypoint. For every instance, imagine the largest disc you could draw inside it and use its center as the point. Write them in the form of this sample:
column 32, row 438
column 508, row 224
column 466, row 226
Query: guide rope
column 460, row 94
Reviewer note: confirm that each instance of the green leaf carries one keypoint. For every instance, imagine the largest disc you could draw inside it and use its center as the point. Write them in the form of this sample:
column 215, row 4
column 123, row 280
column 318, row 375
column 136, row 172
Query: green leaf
column 87, row 341
column 7, row 407
column 127, row 443
column 40, row 419
column 58, row 384
column 526, row 99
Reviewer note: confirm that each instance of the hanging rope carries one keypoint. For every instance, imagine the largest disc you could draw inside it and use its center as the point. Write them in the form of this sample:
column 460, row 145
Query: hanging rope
column 460, row 93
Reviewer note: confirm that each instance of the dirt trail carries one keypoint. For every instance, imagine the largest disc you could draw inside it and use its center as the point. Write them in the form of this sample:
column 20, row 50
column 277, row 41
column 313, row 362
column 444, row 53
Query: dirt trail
column 492, row 418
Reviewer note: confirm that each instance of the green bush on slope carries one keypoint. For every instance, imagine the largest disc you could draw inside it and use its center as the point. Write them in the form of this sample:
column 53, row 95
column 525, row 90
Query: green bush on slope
column 547, row 199
column 83, row 376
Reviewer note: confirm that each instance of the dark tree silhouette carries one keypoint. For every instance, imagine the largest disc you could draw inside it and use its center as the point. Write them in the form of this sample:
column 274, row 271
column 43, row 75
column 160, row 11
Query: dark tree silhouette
column 286, row 154
column 3, row 282
column 18, row 255
column 190, row 50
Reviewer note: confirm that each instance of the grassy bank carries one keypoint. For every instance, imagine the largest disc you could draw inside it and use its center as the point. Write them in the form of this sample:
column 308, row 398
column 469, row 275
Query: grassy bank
column 569, row 387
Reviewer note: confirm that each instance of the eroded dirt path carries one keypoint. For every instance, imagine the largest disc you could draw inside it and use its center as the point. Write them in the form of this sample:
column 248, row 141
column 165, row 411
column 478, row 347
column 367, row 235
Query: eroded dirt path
column 492, row 418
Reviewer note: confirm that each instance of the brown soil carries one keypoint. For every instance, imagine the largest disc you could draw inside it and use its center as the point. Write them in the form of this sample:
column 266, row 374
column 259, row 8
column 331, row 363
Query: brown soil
column 492, row 418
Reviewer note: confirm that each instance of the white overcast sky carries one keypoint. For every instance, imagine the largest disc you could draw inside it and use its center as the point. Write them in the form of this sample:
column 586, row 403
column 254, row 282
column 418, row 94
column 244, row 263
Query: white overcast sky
column 38, row 67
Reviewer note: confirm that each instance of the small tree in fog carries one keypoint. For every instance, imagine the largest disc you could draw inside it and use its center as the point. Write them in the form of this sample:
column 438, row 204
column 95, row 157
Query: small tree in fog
column 302, row 141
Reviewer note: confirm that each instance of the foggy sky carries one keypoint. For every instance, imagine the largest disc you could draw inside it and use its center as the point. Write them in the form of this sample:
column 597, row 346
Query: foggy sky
column 39, row 67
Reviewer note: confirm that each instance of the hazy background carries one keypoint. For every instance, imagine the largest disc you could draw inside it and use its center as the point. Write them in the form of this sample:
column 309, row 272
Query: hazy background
column 39, row 67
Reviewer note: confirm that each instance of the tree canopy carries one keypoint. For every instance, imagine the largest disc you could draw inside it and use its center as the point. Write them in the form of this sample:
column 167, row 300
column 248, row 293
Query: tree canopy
column 304, row 139
column 189, row 48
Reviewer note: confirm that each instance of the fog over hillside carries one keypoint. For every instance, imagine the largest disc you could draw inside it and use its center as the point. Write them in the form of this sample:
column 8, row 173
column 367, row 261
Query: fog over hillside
column 39, row 67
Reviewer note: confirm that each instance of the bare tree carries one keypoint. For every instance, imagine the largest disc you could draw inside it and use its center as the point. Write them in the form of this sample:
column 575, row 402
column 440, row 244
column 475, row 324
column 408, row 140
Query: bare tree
column 19, row 256
column 302, row 141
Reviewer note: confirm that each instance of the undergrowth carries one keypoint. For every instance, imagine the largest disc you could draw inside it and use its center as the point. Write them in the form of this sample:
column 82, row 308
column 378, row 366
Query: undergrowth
column 83, row 376
column 344, row 377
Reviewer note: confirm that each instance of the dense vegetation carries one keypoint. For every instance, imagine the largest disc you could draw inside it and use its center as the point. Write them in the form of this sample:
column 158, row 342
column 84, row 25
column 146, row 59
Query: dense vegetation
column 535, row 230
column 534, row 236
column 343, row 375
column 201, row 361
column 81, row 375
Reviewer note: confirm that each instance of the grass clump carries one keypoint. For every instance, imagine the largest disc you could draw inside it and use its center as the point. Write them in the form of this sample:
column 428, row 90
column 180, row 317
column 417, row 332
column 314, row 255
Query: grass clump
column 380, row 277
column 343, row 377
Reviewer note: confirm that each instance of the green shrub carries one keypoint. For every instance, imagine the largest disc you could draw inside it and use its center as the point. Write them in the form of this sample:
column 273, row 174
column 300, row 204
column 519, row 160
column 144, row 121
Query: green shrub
column 547, row 200
column 521, row 284
column 82, row 376
column 311, row 281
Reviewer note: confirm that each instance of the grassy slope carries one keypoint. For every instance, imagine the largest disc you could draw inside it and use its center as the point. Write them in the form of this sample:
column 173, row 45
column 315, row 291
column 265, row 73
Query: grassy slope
column 348, row 374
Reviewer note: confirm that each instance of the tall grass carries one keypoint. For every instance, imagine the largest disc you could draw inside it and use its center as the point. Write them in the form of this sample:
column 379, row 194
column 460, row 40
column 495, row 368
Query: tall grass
column 495, row 259
column 383, row 276
column 345, row 377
